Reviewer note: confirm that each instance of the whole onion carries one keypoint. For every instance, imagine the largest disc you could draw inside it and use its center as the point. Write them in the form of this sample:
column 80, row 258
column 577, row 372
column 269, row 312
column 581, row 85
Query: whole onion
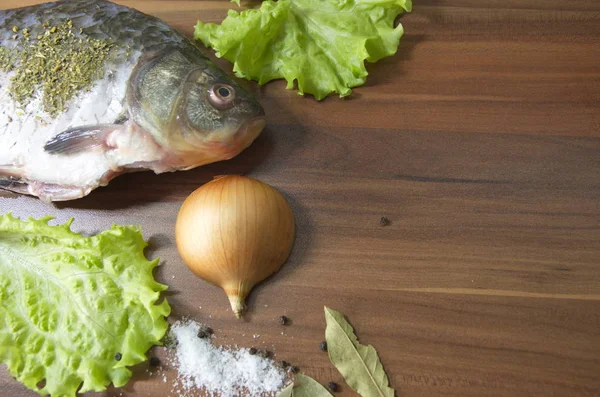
column 234, row 232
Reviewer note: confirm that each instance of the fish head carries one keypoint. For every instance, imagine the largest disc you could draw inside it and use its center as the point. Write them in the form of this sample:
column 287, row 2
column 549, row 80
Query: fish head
column 194, row 110
column 217, row 114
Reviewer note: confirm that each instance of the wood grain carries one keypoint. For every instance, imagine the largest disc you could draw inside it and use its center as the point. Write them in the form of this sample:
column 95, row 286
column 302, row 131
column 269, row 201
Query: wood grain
column 479, row 141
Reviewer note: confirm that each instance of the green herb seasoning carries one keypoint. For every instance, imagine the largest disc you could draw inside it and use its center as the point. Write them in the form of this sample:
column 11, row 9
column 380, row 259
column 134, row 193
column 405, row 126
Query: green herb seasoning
column 6, row 60
column 59, row 62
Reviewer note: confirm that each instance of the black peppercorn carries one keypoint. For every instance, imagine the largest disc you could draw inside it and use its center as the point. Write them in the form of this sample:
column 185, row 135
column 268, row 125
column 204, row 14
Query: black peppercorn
column 170, row 341
column 202, row 334
column 205, row 332
column 323, row 346
column 118, row 356
column 265, row 353
column 332, row 386
column 154, row 361
column 283, row 320
column 383, row 221
column 252, row 351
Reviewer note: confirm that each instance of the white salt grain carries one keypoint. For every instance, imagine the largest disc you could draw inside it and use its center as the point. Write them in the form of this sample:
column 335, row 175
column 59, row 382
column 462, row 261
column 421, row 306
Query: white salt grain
column 221, row 372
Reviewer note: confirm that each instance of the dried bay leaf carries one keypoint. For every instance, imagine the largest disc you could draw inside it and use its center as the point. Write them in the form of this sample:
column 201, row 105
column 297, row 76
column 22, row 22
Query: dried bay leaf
column 304, row 386
column 359, row 364
column 287, row 392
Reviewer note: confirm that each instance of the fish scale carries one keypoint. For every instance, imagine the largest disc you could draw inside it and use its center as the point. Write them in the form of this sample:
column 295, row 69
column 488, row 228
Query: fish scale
column 158, row 103
column 98, row 19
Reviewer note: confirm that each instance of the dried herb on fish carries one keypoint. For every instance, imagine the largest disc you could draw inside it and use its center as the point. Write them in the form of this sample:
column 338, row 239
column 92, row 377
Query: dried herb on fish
column 359, row 364
column 59, row 63
column 6, row 60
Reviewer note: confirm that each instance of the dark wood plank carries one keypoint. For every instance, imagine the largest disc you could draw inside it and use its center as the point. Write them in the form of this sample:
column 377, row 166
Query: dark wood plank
column 479, row 141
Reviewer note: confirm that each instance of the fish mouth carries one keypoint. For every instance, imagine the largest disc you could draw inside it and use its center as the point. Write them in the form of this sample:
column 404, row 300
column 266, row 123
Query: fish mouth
column 242, row 138
column 250, row 130
column 247, row 134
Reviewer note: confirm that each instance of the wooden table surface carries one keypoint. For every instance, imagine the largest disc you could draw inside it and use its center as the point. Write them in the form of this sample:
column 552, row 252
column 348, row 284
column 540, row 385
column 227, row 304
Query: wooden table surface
column 479, row 141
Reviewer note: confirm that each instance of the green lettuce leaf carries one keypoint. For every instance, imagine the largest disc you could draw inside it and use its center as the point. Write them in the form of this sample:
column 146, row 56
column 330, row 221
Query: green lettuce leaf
column 71, row 306
column 320, row 44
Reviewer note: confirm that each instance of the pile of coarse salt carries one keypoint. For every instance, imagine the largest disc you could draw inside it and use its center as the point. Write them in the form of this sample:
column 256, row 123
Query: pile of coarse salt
column 219, row 371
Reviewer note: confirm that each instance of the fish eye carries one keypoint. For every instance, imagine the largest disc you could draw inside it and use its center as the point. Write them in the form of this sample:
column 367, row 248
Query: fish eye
column 221, row 96
column 224, row 92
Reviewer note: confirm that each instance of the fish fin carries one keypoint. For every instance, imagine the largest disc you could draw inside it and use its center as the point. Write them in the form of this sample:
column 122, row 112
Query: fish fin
column 80, row 139
column 14, row 185
column 122, row 119
column 47, row 192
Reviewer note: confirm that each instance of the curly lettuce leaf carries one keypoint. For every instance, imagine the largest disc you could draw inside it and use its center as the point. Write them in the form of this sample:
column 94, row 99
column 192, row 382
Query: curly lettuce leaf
column 320, row 44
column 70, row 306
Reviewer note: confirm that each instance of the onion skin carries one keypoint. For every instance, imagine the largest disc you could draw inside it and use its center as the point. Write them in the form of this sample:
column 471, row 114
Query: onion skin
column 234, row 232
